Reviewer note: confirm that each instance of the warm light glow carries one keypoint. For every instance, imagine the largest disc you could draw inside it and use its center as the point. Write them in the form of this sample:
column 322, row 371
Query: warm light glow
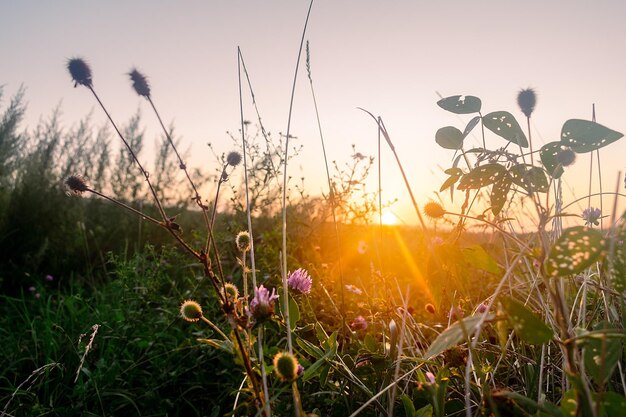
column 389, row 218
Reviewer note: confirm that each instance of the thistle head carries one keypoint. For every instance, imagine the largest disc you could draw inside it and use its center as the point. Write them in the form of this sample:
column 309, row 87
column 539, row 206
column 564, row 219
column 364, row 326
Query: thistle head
column 300, row 281
column 231, row 291
column 286, row 366
column 80, row 72
column 434, row 210
column 190, row 311
column 140, row 83
column 233, row 158
column 526, row 99
column 75, row 185
column 242, row 240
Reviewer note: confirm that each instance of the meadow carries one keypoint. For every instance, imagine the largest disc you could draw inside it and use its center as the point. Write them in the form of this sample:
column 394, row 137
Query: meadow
column 173, row 291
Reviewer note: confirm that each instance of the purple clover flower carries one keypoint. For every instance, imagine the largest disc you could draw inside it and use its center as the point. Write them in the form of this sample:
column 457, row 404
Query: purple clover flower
column 300, row 281
column 262, row 305
column 49, row 278
column 591, row 216
column 359, row 323
column 430, row 377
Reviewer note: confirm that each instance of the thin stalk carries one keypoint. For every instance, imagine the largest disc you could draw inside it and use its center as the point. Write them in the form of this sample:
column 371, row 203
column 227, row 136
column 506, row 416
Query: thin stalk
column 284, row 200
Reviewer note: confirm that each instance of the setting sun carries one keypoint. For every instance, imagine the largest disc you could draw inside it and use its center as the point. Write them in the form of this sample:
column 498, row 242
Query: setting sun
column 389, row 218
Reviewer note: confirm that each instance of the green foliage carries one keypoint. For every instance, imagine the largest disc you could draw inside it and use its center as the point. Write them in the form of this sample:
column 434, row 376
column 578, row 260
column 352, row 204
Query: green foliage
column 584, row 136
column 578, row 248
column 527, row 324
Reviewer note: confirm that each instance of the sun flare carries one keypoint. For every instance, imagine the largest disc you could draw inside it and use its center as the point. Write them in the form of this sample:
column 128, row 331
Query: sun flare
column 389, row 218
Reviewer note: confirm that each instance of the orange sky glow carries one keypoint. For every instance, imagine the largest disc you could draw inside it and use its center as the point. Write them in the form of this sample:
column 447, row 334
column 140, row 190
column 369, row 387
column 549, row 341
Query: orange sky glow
column 391, row 58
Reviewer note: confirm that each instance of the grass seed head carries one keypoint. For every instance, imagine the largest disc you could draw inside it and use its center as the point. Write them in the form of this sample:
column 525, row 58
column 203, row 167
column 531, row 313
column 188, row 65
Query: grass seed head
column 190, row 311
column 140, row 83
column 242, row 240
column 434, row 210
column 76, row 185
column 526, row 99
column 80, row 72
column 233, row 158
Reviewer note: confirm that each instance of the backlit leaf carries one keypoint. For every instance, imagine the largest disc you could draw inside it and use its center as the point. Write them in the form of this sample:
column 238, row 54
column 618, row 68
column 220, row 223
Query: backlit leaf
column 453, row 335
column 602, row 352
column 225, row 345
column 569, row 403
column 577, row 248
column 499, row 194
column 455, row 174
column 460, row 104
column 478, row 257
column 503, row 124
column 548, row 155
column 471, row 125
column 526, row 324
column 529, row 178
column 449, row 137
column 585, row 136
column 481, row 176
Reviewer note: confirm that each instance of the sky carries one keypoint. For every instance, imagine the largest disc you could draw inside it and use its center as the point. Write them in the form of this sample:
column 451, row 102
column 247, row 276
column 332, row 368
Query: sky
column 393, row 58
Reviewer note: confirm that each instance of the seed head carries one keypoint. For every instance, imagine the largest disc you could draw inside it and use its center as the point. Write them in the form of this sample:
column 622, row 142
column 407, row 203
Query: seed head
column 286, row 366
column 80, row 72
column 233, row 158
column 191, row 311
column 231, row 291
column 430, row 308
column 75, row 185
column 526, row 99
column 140, row 83
column 434, row 210
column 242, row 240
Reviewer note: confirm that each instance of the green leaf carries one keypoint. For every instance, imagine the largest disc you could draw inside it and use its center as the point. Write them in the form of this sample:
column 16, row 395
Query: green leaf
column 499, row 194
column 426, row 411
column 470, row 126
column 617, row 258
column 530, row 178
column 602, row 352
column 548, row 154
column 294, row 313
column 449, row 137
column 453, row 335
column 481, row 176
column 614, row 403
column 530, row 404
column 577, row 248
column 569, row 403
column 310, row 348
column 370, row 343
column 460, row 104
column 476, row 256
column 585, row 136
column 225, row 345
column 527, row 324
column 409, row 408
column 503, row 124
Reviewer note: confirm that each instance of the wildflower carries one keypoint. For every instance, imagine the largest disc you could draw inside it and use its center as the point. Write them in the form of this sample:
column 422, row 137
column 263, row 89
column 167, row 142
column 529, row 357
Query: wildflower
column 430, row 308
column 591, row 216
column 76, row 185
column 140, row 83
column 300, row 281
column 32, row 289
column 354, row 289
column 362, row 247
column 37, row 295
column 286, row 366
column 526, row 99
column 242, row 240
column 359, row 323
column 80, row 72
column 434, row 210
column 190, row 311
column 482, row 308
column 233, row 158
column 430, row 377
column 262, row 305
column 49, row 278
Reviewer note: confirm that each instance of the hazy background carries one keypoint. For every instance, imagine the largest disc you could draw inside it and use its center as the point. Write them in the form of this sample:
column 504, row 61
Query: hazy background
column 388, row 57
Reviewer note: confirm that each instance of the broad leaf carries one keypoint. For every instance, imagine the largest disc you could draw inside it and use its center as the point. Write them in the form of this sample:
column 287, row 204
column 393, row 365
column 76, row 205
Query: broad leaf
column 453, row 335
column 569, row 403
column 449, row 137
column 470, row 126
column 499, row 194
column 481, row 176
column 527, row 324
column 478, row 257
column 530, row 178
column 460, row 104
column 585, row 136
column 549, row 158
column 503, row 124
column 455, row 174
column 294, row 313
column 577, row 248
column 602, row 352
column 614, row 403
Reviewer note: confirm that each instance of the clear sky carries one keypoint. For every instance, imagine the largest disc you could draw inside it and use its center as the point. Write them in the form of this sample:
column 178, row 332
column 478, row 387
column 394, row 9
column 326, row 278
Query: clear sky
column 390, row 57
